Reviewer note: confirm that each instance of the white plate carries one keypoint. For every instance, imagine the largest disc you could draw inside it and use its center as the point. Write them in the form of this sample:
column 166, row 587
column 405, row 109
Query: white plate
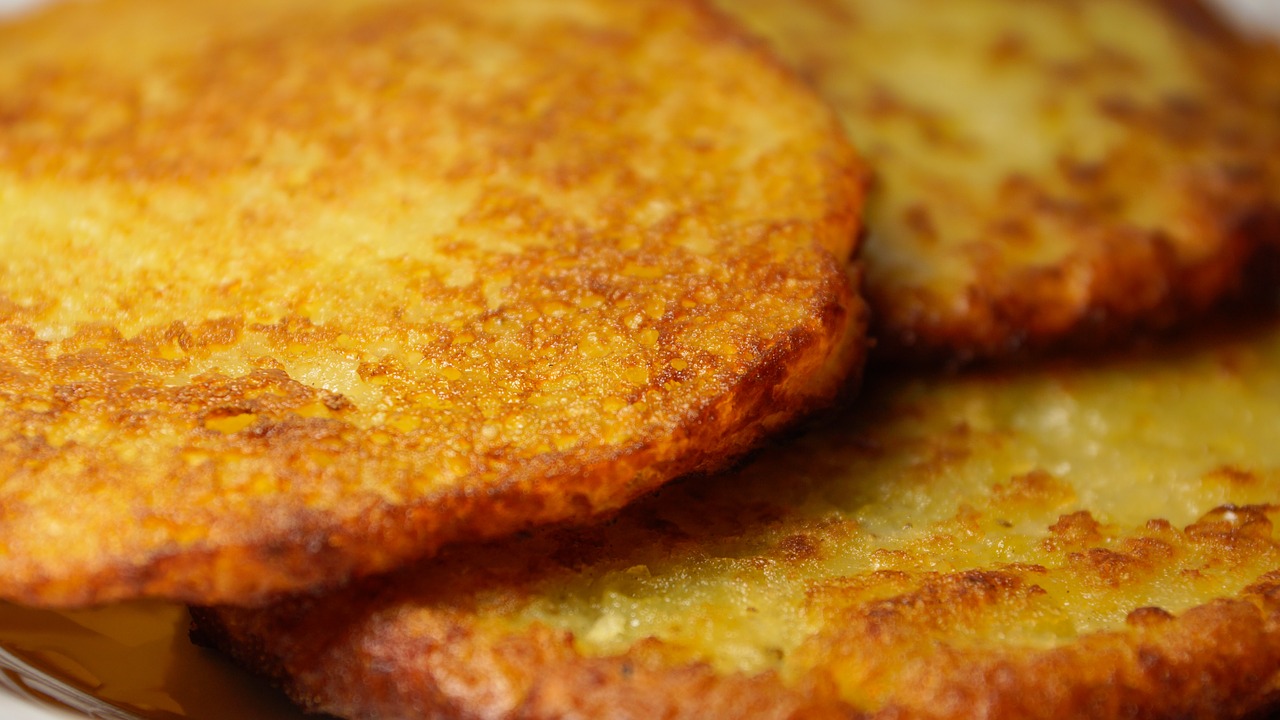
column 17, row 702
column 10, row 6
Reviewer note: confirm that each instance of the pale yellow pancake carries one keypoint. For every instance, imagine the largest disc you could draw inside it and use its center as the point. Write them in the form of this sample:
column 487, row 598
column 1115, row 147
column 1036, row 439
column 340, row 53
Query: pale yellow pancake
column 294, row 291
column 1079, row 539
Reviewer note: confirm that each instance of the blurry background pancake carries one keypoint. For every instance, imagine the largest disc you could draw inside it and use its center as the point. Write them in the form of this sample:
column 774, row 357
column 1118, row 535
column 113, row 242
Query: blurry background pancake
column 1047, row 173
column 1267, row 71
column 1068, row 540
column 291, row 291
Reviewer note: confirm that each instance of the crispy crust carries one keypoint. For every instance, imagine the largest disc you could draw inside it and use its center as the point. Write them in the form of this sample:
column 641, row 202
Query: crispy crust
column 969, row 547
column 298, row 291
column 1216, row 661
column 1044, row 180
column 458, row 670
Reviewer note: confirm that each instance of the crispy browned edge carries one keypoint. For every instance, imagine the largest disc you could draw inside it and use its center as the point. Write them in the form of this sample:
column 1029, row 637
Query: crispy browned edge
column 1219, row 660
column 810, row 369
column 1140, row 287
column 460, row 673
column 1023, row 318
column 809, row 372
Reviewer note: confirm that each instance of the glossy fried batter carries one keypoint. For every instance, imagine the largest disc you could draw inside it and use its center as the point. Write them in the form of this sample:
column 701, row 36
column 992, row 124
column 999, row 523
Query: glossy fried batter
column 1049, row 174
column 1060, row 541
column 294, row 291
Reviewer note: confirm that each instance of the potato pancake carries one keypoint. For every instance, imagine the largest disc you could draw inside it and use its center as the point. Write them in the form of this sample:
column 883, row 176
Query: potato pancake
column 1060, row 541
column 295, row 291
column 1048, row 173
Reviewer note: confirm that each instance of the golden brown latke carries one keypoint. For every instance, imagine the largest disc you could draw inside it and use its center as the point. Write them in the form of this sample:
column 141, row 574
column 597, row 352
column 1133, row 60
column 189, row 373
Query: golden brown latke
column 294, row 291
column 1061, row 541
column 1053, row 173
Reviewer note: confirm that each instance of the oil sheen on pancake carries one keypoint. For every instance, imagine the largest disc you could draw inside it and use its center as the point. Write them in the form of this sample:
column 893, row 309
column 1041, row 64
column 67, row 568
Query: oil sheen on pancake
column 293, row 291
column 1048, row 174
column 1062, row 541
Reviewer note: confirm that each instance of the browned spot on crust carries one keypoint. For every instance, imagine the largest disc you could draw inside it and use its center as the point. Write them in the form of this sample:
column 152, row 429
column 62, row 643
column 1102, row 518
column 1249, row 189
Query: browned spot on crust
column 1076, row 529
column 1115, row 569
column 1233, row 475
column 800, row 547
column 942, row 602
column 1036, row 487
column 1230, row 524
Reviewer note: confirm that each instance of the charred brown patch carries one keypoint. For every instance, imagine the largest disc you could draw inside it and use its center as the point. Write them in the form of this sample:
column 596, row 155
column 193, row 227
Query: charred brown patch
column 800, row 548
column 1107, row 567
column 1233, row 476
column 1037, row 487
column 1074, row 530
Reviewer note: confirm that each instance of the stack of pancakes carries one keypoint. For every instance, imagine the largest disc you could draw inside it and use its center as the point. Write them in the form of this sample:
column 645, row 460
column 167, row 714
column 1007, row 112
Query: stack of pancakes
column 418, row 344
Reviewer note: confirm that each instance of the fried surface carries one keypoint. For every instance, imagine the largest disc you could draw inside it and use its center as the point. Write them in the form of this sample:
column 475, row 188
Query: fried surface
column 1059, row 542
column 1048, row 173
column 294, row 291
